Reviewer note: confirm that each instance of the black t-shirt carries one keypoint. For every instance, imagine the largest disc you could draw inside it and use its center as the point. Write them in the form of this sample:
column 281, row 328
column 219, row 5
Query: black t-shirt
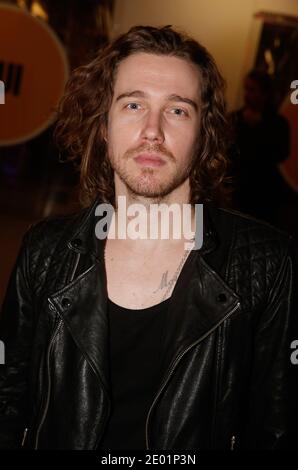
column 135, row 347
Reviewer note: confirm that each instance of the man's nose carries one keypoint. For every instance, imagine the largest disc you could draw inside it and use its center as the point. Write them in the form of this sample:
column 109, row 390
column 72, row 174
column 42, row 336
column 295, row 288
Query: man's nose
column 152, row 128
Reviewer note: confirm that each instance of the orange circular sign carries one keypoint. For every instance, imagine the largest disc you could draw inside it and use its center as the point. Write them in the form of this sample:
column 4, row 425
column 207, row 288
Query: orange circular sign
column 34, row 70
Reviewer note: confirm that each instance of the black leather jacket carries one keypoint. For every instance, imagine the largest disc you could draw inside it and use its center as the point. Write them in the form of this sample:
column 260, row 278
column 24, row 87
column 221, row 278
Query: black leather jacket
column 228, row 381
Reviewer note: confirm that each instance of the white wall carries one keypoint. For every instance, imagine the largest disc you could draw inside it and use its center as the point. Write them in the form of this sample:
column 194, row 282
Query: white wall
column 225, row 27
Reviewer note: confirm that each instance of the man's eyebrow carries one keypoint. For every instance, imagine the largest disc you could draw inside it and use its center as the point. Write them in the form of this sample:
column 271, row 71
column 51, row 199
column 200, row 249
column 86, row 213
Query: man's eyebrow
column 183, row 100
column 128, row 94
column 173, row 97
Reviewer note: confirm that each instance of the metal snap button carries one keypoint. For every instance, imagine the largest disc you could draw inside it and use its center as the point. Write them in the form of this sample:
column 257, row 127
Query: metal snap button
column 65, row 302
column 76, row 243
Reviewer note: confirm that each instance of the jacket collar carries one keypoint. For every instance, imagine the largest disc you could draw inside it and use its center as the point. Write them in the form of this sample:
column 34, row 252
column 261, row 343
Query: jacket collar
column 200, row 302
column 83, row 238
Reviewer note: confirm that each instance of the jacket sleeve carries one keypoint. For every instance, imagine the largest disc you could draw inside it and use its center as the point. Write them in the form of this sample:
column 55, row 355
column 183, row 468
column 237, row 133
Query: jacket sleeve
column 16, row 321
column 273, row 391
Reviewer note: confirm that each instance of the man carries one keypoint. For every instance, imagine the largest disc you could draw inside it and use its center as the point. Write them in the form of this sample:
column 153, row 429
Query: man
column 262, row 138
column 123, row 343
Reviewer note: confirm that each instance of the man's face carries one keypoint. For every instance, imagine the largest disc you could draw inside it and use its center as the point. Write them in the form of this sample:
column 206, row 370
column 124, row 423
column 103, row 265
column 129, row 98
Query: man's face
column 253, row 95
column 153, row 123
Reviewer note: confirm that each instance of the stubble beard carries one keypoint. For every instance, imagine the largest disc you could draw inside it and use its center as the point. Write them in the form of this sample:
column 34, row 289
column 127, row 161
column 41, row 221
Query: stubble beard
column 147, row 183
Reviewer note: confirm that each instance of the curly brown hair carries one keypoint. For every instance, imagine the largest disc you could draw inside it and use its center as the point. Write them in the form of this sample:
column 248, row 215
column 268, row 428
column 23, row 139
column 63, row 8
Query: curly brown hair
column 83, row 115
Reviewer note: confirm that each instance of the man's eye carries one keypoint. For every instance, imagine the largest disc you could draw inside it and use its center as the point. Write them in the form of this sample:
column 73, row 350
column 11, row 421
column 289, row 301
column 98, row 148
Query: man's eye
column 180, row 112
column 132, row 106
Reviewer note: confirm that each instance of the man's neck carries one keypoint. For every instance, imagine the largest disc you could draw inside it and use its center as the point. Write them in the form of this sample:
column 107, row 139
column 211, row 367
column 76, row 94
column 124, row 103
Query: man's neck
column 163, row 223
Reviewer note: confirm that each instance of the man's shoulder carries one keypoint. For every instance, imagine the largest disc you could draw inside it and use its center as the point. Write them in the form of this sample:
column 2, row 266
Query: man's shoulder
column 55, row 226
column 246, row 232
column 251, row 253
column 53, row 232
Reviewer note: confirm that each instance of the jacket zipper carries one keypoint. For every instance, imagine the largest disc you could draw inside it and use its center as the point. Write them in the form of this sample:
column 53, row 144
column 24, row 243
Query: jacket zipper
column 233, row 441
column 49, row 382
column 49, row 389
column 24, row 436
column 105, row 421
column 77, row 259
column 173, row 367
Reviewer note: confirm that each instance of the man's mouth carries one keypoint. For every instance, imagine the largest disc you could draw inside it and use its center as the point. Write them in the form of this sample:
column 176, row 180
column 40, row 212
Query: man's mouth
column 149, row 159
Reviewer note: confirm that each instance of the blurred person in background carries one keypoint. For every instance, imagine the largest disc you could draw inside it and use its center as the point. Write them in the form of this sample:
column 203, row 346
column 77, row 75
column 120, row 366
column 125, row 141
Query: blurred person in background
column 262, row 140
column 122, row 343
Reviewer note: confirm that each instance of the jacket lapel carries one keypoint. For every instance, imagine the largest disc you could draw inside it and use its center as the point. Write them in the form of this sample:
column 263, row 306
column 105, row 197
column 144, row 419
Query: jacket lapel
column 83, row 307
column 200, row 302
column 82, row 303
column 201, row 299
